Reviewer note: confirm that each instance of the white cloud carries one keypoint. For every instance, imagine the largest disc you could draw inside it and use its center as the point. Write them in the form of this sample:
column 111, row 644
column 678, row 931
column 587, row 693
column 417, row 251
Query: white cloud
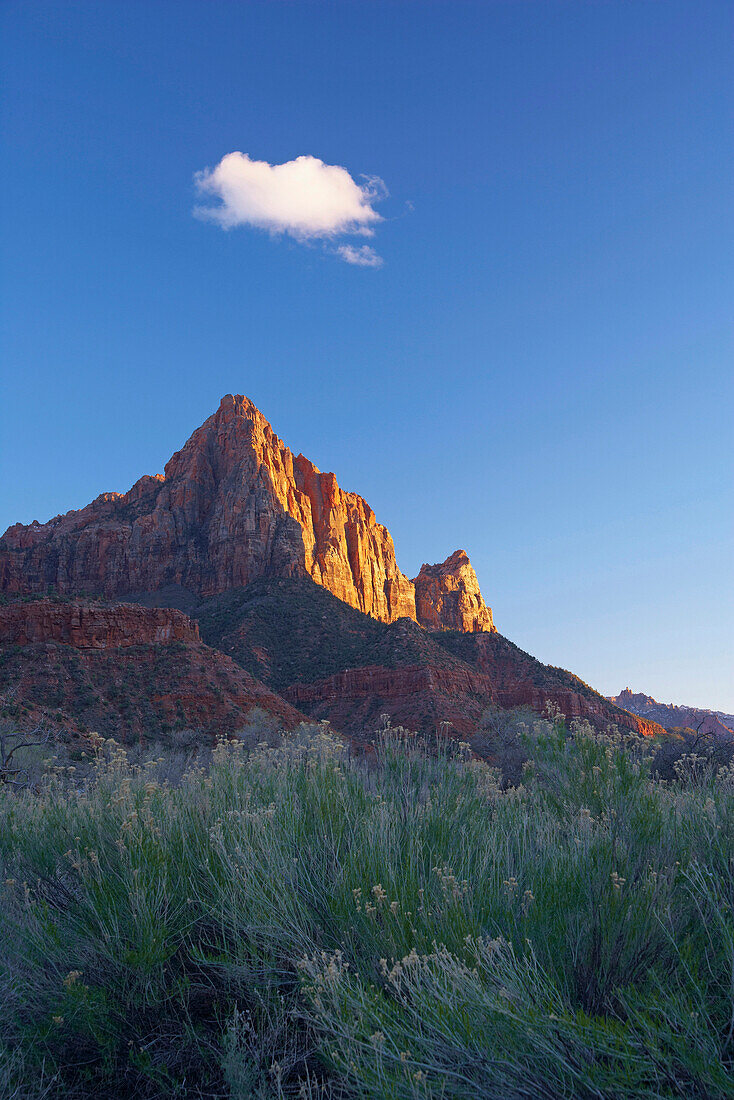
column 364, row 256
column 305, row 198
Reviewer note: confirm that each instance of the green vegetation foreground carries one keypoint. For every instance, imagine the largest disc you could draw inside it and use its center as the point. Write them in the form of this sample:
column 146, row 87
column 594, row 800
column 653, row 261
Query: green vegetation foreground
column 292, row 921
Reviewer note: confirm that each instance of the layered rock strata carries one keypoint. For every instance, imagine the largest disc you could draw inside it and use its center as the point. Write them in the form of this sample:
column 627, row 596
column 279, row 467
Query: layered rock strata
column 235, row 505
column 81, row 667
column 420, row 697
column 93, row 626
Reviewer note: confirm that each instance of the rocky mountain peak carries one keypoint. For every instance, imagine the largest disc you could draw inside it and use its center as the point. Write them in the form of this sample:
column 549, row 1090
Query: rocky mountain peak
column 448, row 597
column 672, row 716
column 236, row 505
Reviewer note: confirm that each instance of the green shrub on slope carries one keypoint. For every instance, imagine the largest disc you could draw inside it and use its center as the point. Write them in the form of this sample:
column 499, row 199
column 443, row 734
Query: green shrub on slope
column 294, row 922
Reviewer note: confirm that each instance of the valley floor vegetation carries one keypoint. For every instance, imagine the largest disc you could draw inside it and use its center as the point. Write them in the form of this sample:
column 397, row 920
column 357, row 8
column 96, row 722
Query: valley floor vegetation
column 296, row 920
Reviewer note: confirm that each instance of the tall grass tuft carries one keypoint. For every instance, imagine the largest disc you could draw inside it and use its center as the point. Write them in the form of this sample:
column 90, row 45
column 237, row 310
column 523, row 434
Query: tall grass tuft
column 292, row 921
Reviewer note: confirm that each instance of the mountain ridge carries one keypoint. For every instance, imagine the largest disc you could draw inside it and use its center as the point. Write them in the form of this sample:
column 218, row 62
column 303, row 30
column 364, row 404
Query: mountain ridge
column 672, row 716
column 286, row 575
column 233, row 505
column 332, row 661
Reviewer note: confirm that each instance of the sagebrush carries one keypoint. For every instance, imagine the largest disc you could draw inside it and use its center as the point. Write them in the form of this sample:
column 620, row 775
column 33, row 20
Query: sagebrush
column 295, row 921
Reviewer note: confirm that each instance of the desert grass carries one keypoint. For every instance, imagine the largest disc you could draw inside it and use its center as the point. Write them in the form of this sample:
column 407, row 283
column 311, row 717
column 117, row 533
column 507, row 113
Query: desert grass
column 296, row 921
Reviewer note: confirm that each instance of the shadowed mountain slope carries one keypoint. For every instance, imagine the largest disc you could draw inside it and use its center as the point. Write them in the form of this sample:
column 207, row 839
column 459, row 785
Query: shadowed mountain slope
column 333, row 662
column 122, row 671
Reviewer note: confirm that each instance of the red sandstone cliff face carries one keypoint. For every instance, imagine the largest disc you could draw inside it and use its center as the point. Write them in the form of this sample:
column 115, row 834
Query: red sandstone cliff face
column 235, row 505
column 387, row 682
column 419, row 697
column 93, row 626
column 447, row 597
column 81, row 667
column 424, row 696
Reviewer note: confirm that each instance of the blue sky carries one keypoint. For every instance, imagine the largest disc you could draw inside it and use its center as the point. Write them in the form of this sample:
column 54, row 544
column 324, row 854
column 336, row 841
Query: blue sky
column 540, row 372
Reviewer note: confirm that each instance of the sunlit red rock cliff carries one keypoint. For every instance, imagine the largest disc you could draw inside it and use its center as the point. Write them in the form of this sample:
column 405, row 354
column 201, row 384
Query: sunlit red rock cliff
column 294, row 604
column 233, row 506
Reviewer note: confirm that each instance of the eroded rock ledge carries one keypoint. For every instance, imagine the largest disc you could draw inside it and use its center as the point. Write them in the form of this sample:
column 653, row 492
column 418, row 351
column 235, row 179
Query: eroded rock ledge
column 93, row 626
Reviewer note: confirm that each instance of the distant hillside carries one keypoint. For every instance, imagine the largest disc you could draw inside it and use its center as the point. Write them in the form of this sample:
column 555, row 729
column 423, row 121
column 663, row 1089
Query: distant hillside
column 670, row 716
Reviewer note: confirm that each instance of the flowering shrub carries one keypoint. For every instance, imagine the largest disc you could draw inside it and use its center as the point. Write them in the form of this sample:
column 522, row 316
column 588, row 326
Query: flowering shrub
column 292, row 921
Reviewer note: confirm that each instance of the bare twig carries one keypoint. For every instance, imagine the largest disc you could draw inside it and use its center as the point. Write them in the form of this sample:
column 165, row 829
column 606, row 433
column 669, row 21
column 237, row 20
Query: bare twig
column 12, row 740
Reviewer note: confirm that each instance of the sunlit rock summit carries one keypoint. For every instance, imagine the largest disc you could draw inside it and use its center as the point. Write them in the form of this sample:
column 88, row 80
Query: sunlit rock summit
column 236, row 505
column 244, row 577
